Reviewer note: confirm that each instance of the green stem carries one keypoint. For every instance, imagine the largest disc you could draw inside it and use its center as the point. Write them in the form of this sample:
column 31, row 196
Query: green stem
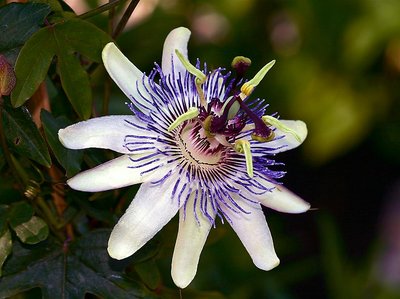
column 55, row 226
column 107, row 82
column 127, row 14
column 101, row 9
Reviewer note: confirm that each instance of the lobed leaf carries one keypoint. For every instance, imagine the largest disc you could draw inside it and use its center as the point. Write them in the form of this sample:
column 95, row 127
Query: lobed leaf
column 73, row 271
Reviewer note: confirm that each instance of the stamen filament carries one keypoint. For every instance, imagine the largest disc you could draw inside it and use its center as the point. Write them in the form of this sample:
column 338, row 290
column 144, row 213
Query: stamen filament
column 200, row 77
column 243, row 147
column 261, row 132
column 248, row 87
column 270, row 120
column 190, row 114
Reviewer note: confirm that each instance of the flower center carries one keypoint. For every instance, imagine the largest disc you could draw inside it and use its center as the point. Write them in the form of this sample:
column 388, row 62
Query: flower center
column 196, row 147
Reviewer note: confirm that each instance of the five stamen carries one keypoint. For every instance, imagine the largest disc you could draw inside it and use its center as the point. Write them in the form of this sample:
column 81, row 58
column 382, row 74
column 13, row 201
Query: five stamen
column 261, row 132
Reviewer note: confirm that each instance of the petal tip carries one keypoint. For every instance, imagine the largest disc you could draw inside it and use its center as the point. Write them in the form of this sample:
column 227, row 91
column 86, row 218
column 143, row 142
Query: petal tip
column 181, row 31
column 269, row 264
column 180, row 281
column 107, row 49
column 66, row 138
column 117, row 253
column 119, row 249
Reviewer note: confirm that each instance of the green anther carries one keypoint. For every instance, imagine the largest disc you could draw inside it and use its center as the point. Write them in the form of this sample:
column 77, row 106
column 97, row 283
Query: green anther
column 190, row 114
column 200, row 77
column 243, row 147
column 248, row 87
column 270, row 120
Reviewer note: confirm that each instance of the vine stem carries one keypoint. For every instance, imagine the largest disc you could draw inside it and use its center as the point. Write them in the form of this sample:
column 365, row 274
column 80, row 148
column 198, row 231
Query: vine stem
column 125, row 17
column 100, row 9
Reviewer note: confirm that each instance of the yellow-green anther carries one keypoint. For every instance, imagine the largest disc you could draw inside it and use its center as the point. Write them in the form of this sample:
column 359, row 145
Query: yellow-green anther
column 200, row 77
column 243, row 147
column 270, row 120
column 248, row 87
column 190, row 114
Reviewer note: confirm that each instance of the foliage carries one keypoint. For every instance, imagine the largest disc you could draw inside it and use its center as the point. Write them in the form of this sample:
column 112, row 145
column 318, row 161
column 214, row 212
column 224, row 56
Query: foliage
column 337, row 69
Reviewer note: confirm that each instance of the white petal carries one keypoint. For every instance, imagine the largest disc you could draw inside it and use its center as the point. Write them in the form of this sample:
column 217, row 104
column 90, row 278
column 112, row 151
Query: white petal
column 189, row 243
column 126, row 75
column 279, row 198
column 149, row 211
column 117, row 173
column 106, row 132
column 252, row 229
column 283, row 200
column 288, row 141
column 177, row 39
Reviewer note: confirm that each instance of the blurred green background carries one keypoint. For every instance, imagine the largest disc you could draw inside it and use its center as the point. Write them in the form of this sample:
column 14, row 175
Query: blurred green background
column 338, row 69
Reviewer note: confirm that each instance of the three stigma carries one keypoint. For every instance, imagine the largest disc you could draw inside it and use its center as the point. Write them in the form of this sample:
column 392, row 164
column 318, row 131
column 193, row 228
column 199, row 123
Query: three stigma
column 261, row 126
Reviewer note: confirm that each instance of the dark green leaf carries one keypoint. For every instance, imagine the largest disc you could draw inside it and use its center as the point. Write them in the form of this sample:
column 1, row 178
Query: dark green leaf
column 70, row 272
column 32, row 65
column 8, row 192
column 69, row 159
column 17, row 23
column 5, row 247
column 54, row 4
column 97, row 213
column 19, row 213
column 2, row 159
column 22, row 135
column 84, row 38
column 3, row 218
column 33, row 231
column 149, row 273
column 75, row 81
column 64, row 40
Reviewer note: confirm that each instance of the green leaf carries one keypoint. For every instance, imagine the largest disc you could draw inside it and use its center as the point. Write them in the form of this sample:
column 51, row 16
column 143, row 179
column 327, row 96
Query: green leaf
column 22, row 135
column 33, row 231
column 69, row 272
column 5, row 247
column 32, row 65
column 17, row 23
column 149, row 273
column 19, row 213
column 83, row 37
column 69, row 159
column 3, row 218
column 54, row 4
column 75, row 82
column 64, row 40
